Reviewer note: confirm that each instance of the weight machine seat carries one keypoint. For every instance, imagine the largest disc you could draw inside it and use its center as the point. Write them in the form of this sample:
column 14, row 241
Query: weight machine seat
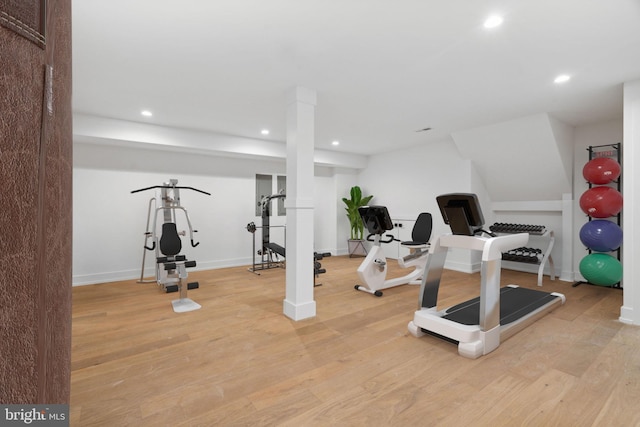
column 421, row 232
column 170, row 243
column 170, row 246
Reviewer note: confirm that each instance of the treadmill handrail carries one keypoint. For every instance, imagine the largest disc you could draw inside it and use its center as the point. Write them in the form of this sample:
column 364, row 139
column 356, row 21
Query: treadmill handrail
column 491, row 247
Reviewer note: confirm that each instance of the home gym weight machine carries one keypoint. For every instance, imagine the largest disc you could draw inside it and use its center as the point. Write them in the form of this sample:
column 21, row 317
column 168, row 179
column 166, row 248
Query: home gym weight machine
column 272, row 254
column 171, row 267
column 480, row 324
column 372, row 272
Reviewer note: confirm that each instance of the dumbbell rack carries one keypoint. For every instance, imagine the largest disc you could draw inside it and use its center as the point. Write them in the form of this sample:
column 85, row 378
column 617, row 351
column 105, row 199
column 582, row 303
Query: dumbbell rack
column 529, row 255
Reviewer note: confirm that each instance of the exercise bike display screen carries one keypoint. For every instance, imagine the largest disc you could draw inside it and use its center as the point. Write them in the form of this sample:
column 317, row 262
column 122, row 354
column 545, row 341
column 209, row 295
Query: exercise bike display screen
column 376, row 219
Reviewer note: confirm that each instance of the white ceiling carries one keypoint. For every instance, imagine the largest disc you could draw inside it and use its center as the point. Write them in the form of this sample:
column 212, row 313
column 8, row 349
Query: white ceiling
column 382, row 69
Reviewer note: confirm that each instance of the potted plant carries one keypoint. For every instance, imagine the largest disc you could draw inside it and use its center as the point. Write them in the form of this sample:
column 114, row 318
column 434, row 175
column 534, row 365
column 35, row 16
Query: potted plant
column 355, row 241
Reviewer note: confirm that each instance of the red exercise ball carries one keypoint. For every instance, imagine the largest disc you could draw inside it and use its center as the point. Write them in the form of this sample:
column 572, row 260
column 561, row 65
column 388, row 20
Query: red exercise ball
column 601, row 170
column 601, row 202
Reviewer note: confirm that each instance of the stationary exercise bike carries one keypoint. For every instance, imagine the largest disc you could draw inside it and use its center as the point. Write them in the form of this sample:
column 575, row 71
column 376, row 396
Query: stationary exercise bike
column 373, row 270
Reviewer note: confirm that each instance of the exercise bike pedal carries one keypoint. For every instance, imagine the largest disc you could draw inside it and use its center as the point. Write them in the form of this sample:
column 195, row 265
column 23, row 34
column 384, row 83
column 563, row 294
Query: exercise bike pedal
column 193, row 285
column 171, row 288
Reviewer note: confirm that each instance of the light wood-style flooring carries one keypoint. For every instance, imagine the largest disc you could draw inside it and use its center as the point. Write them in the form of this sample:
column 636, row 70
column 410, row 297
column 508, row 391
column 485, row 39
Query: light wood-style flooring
column 239, row 361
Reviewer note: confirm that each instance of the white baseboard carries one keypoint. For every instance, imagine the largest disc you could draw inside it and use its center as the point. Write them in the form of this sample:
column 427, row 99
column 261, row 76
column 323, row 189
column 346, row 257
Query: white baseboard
column 462, row 267
column 117, row 276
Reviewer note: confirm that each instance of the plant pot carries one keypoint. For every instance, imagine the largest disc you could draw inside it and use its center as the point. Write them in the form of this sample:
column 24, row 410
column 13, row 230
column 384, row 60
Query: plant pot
column 356, row 247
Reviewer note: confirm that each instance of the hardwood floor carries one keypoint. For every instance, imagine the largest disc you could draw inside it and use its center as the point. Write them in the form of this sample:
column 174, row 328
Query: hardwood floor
column 239, row 361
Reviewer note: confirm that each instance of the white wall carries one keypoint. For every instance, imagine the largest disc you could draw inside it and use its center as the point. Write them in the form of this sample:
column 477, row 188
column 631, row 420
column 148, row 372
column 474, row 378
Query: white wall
column 325, row 216
column 523, row 159
column 408, row 181
column 109, row 221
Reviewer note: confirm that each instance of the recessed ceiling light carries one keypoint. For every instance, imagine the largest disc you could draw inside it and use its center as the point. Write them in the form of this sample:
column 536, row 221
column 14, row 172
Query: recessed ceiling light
column 493, row 21
column 146, row 113
column 336, row 142
column 562, row 78
column 265, row 131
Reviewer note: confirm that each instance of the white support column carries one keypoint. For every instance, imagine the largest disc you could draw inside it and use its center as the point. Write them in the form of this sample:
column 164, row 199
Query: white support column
column 566, row 269
column 298, row 303
column 630, row 310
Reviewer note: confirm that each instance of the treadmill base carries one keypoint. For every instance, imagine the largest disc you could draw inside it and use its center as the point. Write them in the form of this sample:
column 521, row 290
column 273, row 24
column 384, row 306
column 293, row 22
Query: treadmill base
column 519, row 307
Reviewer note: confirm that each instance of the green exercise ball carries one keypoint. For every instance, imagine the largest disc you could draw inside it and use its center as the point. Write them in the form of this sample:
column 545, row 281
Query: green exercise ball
column 601, row 269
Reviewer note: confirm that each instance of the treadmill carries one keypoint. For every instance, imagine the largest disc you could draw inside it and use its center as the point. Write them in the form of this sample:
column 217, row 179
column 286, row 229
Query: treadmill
column 480, row 324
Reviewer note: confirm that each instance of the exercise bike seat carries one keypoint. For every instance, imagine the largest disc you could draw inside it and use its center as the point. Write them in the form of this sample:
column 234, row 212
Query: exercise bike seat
column 421, row 232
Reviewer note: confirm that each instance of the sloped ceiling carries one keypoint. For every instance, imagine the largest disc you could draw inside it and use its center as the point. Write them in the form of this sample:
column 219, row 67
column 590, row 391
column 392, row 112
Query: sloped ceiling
column 523, row 159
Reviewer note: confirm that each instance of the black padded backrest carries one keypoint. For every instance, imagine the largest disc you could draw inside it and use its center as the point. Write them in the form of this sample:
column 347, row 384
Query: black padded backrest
column 421, row 232
column 170, row 243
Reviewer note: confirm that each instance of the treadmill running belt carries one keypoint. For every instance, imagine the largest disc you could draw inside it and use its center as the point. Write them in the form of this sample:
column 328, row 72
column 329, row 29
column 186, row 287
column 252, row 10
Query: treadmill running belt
column 515, row 303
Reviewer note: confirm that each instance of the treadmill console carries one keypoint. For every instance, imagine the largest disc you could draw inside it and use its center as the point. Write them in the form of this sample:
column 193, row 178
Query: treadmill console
column 461, row 211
